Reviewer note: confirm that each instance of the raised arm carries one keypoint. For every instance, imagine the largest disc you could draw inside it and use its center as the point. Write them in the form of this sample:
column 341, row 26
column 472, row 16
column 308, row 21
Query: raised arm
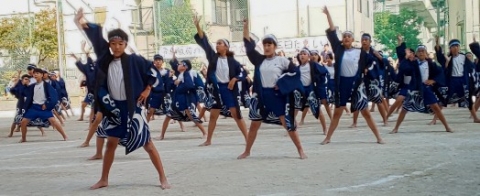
column 81, row 67
column 332, row 30
column 475, row 47
column 442, row 60
column 400, row 49
column 253, row 55
column 94, row 34
column 202, row 40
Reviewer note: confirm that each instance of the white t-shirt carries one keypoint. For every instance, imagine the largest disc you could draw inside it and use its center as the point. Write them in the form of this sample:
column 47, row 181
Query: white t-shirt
column 305, row 77
column 271, row 69
column 458, row 62
column 424, row 70
column 162, row 72
column 222, row 72
column 350, row 62
column 39, row 96
column 33, row 80
column 331, row 71
column 115, row 80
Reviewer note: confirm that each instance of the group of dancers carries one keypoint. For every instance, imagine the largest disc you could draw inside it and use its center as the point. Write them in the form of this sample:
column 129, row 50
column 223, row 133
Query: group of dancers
column 126, row 90
column 42, row 101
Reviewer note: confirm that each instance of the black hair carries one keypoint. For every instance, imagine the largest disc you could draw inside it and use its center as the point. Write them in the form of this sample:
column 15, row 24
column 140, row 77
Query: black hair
column 118, row 32
column 38, row 70
column 230, row 53
column 411, row 50
column 25, row 76
column 330, row 55
column 269, row 41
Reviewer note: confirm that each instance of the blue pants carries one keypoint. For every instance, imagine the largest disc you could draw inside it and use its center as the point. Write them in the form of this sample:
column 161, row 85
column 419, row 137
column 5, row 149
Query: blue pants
column 35, row 111
column 346, row 87
column 274, row 101
column 226, row 95
column 156, row 100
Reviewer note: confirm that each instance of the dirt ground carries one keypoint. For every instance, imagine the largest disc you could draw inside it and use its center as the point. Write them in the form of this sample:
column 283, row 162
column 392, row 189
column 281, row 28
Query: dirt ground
column 420, row 160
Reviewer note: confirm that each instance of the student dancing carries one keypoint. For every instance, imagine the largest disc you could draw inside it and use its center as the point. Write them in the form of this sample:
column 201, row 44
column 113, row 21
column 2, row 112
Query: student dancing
column 351, row 66
column 314, row 79
column 272, row 98
column 121, row 95
column 426, row 76
column 223, row 73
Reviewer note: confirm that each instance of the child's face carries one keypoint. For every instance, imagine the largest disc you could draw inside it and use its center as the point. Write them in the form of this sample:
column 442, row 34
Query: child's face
column 25, row 80
column 304, row 57
column 181, row 67
column 118, row 47
column 38, row 76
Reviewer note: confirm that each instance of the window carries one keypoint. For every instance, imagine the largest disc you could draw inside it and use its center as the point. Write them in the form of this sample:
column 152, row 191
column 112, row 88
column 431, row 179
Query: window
column 219, row 12
column 359, row 6
column 238, row 12
column 100, row 14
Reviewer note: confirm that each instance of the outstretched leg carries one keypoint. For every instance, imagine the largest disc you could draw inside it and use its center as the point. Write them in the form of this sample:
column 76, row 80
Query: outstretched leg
column 400, row 119
column 157, row 162
column 112, row 143
column 368, row 117
column 438, row 112
column 214, row 113
column 295, row 138
column 337, row 114
column 252, row 135
column 58, row 127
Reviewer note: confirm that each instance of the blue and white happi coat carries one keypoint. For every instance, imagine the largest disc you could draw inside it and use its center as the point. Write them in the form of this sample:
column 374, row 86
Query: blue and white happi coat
column 137, row 72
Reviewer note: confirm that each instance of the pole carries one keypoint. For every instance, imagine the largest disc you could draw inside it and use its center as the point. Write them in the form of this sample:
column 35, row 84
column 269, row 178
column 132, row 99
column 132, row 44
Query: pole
column 155, row 27
column 59, row 37
column 308, row 20
column 298, row 19
column 29, row 25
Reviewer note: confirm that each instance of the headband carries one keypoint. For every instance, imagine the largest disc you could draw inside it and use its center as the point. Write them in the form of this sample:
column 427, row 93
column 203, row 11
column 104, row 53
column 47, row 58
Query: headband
column 270, row 37
column 421, row 47
column 366, row 37
column 226, row 42
column 314, row 52
column 306, row 51
column 453, row 44
column 347, row 33
column 116, row 37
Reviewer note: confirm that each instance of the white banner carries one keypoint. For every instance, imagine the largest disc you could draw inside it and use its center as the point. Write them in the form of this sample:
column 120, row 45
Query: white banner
column 287, row 45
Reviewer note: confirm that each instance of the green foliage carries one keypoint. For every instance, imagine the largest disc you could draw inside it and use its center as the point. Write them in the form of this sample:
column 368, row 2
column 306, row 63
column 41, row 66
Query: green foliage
column 176, row 23
column 387, row 26
column 17, row 43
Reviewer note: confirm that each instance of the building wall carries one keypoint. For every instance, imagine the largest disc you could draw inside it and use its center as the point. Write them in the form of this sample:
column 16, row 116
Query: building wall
column 464, row 20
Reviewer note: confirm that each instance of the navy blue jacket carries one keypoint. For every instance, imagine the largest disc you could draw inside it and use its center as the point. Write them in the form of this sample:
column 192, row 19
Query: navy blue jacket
column 136, row 71
column 50, row 94
column 468, row 67
column 364, row 62
column 89, row 70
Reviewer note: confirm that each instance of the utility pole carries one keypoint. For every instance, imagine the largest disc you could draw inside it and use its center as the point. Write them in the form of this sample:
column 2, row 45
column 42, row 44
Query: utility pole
column 29, row 25
column 60, row 39
column 298, row 19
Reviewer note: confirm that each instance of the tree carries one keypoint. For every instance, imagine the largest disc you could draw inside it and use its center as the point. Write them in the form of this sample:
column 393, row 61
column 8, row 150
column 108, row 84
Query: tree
column 17, row 43
column 45, row 35
column 387, row 26
column 176, row 23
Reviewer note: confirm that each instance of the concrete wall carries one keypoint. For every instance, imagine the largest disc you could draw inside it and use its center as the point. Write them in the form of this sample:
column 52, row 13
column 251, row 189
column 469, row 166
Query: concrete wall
column 464, row 15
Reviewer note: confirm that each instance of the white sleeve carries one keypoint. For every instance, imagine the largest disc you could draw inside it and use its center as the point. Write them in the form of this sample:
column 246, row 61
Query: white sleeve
column 284, row 62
